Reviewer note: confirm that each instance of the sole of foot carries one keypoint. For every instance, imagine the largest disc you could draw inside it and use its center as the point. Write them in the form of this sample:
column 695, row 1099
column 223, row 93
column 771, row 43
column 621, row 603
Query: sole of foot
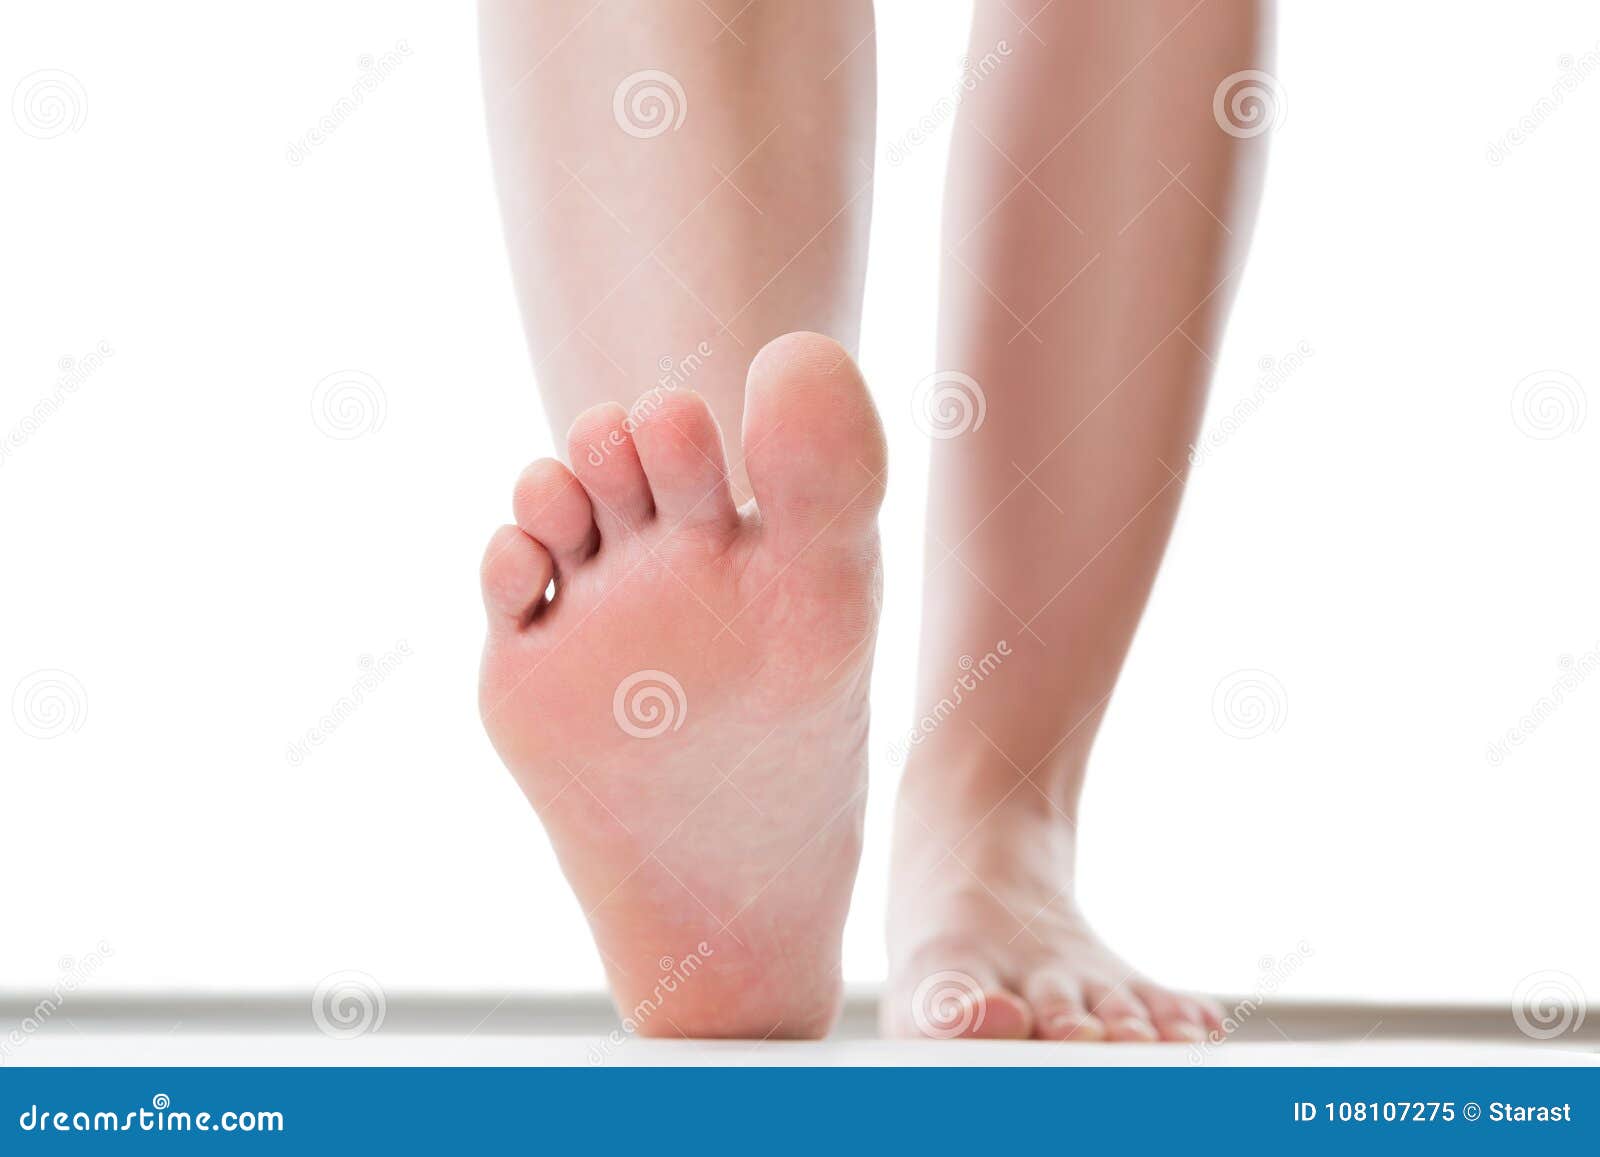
column 679, row 687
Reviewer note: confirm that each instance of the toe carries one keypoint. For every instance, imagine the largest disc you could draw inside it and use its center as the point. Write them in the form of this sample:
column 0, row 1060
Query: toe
column 1124, row 1016
column 1056, row 1000
column 1006, row 1016
column 1130, row 1029
column 812, row 442
column 603, row 456
column 1211, row 1014
column 516, row 570
column 680, row 447
column 1176, row 1018
column 552, row 508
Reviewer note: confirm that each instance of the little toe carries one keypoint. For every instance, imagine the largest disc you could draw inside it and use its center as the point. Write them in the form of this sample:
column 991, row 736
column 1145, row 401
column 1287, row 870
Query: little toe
column 600, row 447
column 516, row 570
column 553, row 508
column 1211, row 1013
column 680, row 446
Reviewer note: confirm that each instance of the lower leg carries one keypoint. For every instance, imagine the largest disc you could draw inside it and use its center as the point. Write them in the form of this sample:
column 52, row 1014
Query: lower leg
column 1097, row 220
column 678, row 191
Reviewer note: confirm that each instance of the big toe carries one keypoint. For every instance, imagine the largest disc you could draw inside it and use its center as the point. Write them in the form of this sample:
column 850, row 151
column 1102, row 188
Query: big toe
column 969, row 1001
column 813, row 445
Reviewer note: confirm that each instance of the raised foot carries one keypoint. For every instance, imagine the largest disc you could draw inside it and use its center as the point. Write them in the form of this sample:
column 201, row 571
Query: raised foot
column 687, row 711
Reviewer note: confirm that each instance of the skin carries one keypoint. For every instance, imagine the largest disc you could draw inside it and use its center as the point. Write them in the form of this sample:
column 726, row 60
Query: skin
column 688, row 713
column 697, row 246
column 1085, row 302
column 746, row 222
column 1088, row 303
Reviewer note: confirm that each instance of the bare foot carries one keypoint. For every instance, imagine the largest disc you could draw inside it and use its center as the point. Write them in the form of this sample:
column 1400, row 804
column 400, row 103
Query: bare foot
column 984, row 937
column 688, row 712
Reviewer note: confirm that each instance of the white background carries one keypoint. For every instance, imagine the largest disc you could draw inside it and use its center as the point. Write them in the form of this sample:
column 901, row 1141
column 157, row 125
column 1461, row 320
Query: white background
column 1383, row 536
